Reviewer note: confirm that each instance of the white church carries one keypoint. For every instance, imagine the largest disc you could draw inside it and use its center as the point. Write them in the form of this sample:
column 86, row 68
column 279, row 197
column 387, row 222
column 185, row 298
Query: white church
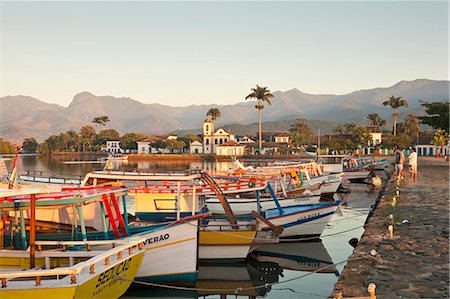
column 216, row 142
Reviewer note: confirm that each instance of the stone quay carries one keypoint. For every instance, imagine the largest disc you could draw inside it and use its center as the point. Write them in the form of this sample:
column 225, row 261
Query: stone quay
column 413, row 262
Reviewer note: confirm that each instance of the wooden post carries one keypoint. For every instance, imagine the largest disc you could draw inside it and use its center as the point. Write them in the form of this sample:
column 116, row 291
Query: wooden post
column 32, row 230
column 178, row 200
column 23, row 233
column 125, row 213
column 194, row 200
column 83, row 227
column 16, row 230
column 104, row 225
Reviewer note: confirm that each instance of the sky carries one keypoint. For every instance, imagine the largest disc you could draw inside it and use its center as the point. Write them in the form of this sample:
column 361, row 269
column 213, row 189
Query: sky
column 184, row 53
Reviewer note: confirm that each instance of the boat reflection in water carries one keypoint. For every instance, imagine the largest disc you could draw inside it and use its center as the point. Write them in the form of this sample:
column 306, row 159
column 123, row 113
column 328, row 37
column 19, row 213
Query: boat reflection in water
column 310, row 256
column 223, row 279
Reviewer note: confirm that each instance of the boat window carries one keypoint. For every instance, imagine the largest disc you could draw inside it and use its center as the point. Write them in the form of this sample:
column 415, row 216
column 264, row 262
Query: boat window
column 166, row 204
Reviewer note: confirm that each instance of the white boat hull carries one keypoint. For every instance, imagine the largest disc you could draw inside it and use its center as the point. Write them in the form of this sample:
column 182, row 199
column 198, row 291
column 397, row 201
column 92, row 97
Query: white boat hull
column 357, row 175
column 330, row 183
column 308, row 223
column 170, row 254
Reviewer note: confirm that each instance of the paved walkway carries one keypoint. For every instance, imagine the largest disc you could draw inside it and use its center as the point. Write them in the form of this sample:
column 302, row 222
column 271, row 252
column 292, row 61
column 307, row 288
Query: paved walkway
column 415, row 262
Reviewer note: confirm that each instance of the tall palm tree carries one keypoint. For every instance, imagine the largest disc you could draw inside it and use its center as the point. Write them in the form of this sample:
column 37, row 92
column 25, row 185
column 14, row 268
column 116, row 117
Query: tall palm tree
column 395, row 103
column 214, row 113
column 375, row 120
column 261, row 94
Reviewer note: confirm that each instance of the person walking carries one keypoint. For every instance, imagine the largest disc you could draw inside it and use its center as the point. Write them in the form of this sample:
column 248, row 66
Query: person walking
column 412, row 159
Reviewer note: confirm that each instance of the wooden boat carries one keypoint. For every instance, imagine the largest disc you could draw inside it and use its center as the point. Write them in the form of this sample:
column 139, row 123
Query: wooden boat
column 171, row 249
column 246, row 205
column 303, row 221
column 354, row 169
column 306, row 176
column 94, row 276
column 166, row 197
column 300, row 220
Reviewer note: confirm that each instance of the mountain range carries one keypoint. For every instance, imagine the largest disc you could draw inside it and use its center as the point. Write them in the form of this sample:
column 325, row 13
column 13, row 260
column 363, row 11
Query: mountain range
column 25, row 116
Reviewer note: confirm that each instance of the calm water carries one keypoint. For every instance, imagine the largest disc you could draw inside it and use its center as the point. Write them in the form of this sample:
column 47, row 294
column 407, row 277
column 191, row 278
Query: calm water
column 291, row 264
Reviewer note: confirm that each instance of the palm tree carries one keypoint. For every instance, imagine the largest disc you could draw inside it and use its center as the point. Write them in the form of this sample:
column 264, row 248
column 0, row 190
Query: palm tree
column 375, row 120
column 395, row 103
column 101, row 120
column 412, row 126
column 214, row 113
column 261, row 94
column 440, row 138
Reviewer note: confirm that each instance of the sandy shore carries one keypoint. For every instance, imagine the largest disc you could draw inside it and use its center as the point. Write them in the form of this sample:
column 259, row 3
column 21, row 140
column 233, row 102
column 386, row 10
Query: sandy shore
column 415, row 262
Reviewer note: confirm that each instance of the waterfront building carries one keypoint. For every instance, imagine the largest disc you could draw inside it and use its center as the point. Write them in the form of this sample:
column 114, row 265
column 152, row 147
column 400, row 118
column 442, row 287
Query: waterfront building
column 113, row 147
column 376, row 135
column 212, row 139
column 196, row 147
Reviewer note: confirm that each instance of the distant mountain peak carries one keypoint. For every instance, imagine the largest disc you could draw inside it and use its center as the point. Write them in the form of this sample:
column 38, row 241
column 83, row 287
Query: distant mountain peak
column 23, row 116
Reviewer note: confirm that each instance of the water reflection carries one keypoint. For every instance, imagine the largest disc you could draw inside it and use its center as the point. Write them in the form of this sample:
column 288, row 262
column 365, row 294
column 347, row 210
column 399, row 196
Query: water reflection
column 252, row 278
column 298, row 256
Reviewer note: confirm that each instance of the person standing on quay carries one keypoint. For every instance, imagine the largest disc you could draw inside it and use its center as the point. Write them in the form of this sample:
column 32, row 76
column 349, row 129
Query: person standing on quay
column 413, row 165
column 399, row 160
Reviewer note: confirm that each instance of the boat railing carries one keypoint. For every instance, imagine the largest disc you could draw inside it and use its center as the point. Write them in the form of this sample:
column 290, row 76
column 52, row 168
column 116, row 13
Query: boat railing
column 40, row 176
column 116, row 254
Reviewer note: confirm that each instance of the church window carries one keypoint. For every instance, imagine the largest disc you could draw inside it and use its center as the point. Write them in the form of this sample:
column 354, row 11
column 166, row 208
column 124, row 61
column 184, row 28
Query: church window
column 207, row 142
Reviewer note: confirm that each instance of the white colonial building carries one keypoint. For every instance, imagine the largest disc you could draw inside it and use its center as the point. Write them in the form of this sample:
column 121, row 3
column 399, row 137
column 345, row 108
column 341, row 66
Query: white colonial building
column 212, row 139
column 196, row 147
column 113, row 147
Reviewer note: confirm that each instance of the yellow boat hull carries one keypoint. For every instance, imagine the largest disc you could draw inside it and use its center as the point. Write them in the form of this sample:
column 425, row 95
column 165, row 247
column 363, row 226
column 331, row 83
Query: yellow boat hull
column 101, row 285
column 223, row 238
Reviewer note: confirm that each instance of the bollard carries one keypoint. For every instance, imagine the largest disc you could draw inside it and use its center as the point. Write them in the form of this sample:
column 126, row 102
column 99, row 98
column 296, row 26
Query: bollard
column 91, row 269
column 107, row 261
column 394, row 201
column 397, row 192
column 391, row 216
column 391, row 231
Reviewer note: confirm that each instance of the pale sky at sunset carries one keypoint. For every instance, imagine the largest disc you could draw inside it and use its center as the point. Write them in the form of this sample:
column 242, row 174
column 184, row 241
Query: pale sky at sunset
column 183, row 53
